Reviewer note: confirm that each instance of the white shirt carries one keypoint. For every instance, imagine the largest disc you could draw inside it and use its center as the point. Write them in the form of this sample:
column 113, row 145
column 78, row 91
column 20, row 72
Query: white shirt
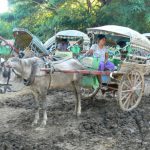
column 99, row 53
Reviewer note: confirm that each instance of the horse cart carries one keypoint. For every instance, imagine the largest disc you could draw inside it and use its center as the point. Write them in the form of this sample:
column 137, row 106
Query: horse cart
column 68, row 43
column 129, row 51
column 25, row 40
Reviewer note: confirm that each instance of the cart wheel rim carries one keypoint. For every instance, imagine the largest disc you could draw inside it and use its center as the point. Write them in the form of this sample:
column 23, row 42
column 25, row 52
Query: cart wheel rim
column 131, row 90
column 87, row 93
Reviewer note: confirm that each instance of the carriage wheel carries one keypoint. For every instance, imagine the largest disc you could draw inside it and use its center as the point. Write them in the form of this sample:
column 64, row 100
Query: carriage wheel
column 87, row 93
column 131, row 90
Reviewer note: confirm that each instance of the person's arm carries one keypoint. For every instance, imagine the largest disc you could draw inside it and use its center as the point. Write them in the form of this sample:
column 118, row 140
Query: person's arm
column 91, row 51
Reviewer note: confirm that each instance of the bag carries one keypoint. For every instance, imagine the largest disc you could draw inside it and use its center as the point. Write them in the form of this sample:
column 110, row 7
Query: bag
column 90, row 81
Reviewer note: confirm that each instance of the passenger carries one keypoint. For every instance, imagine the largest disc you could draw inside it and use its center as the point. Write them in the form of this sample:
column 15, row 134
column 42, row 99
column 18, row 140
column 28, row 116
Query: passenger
column 99, row 51
column 63, row 45
column 123, row 53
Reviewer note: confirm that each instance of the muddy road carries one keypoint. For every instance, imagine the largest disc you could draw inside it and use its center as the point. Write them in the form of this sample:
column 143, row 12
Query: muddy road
column 102, row 125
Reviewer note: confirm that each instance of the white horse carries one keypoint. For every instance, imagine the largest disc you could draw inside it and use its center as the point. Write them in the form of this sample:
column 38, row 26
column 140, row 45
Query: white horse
column 40, row 81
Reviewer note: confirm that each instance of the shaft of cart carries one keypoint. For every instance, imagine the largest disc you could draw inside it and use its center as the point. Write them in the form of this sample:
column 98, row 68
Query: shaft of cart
column 86, row 72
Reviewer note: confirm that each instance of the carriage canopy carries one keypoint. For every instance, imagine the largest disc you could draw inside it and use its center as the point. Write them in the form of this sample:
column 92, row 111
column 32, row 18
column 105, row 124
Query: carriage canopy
column 147, row 35
column 70, row 35
column 136, row 39
column 24, row 39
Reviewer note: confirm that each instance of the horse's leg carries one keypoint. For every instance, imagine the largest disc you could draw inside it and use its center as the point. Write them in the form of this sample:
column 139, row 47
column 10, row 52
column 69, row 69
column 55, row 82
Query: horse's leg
column 78, row 99
column 37, row 109
column 44, row 101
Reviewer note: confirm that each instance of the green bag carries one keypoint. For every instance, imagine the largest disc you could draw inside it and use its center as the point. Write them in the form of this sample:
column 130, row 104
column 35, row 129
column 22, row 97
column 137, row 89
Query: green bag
column 96, row 62
column 90, row 81
column 75, row 49
column 5, row 51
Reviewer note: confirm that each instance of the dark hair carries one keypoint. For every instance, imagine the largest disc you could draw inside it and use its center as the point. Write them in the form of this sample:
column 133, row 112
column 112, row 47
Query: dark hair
column 121, row 44
column 64, row 40
column 101, row 36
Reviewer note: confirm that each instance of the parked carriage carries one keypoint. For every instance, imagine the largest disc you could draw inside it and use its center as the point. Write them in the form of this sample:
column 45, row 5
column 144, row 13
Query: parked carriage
column 25, row 39
column 131, row 61
column 76, row 43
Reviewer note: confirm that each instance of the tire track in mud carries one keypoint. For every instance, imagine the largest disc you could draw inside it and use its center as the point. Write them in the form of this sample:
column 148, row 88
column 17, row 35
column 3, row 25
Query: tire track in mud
column 102, row 125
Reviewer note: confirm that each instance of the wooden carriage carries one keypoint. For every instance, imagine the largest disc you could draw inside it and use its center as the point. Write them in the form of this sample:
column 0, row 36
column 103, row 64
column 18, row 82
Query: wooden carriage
column 24, row 39
column 72, row 37
column 131, row 71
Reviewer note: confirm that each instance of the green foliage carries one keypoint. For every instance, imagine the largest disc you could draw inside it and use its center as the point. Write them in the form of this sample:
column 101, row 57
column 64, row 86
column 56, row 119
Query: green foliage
column 45, row 17
column 6, row 29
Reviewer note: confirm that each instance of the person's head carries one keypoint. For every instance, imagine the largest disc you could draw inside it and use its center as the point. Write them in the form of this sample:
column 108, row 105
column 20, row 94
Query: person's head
column 64, row 41
column 101, row 40
column 121, row 44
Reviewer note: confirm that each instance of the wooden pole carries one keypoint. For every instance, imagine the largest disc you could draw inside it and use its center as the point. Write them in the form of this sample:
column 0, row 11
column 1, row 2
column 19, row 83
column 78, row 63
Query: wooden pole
column 80, row 71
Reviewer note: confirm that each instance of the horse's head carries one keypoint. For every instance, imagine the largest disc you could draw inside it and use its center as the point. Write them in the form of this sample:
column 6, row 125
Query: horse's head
column 22, row 67
column 27, row 53
column 12, row 68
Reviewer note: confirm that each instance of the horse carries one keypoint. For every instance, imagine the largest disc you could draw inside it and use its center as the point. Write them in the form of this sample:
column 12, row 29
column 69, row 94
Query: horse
column 40, row 81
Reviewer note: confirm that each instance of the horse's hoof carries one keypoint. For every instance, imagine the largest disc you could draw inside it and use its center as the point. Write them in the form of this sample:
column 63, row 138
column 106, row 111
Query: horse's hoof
column 39, row 129
column 34, row 123
column 76, row 114
column 43, row 124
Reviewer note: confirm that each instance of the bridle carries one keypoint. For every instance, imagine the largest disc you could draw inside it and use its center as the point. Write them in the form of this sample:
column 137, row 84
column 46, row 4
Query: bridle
column 7, row 74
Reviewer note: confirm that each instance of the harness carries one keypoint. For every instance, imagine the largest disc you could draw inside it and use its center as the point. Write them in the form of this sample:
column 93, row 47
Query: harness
column 6, row 74
column 31, row 78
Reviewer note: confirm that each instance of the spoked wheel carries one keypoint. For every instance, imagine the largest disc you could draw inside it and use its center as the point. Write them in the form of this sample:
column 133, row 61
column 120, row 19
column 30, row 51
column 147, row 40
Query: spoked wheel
column 87, row 93
column 131, row 90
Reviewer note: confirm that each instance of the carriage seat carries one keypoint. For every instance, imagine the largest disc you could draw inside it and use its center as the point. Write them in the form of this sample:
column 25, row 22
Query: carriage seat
column 137, row 59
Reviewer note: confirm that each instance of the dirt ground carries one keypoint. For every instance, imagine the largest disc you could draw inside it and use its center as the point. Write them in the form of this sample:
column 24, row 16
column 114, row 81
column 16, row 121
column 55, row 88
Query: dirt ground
column 102, row 125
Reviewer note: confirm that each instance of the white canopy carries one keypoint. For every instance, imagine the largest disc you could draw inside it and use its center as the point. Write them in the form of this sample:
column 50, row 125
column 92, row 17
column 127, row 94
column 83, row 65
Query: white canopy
column 73, row 34
column 147, row 35
column 67, row 34
column 50, row 41
column 136, row 39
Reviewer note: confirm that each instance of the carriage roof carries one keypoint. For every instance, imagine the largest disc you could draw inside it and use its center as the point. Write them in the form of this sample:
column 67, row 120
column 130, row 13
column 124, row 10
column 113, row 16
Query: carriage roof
column 24, row 38
column 72, row 34
column 67, row 34
column 147, row 35
column 136, row 39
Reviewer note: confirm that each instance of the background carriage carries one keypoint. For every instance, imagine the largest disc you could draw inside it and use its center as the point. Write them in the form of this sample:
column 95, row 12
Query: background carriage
column 24, row 39
column 72, row 37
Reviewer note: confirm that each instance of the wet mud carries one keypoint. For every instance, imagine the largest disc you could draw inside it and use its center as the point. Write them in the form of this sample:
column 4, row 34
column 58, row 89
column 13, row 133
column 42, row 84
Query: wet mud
column 102, row 125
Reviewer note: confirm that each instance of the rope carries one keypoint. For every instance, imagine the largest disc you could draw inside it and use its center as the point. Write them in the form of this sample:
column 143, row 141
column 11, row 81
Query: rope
column 50, row 74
